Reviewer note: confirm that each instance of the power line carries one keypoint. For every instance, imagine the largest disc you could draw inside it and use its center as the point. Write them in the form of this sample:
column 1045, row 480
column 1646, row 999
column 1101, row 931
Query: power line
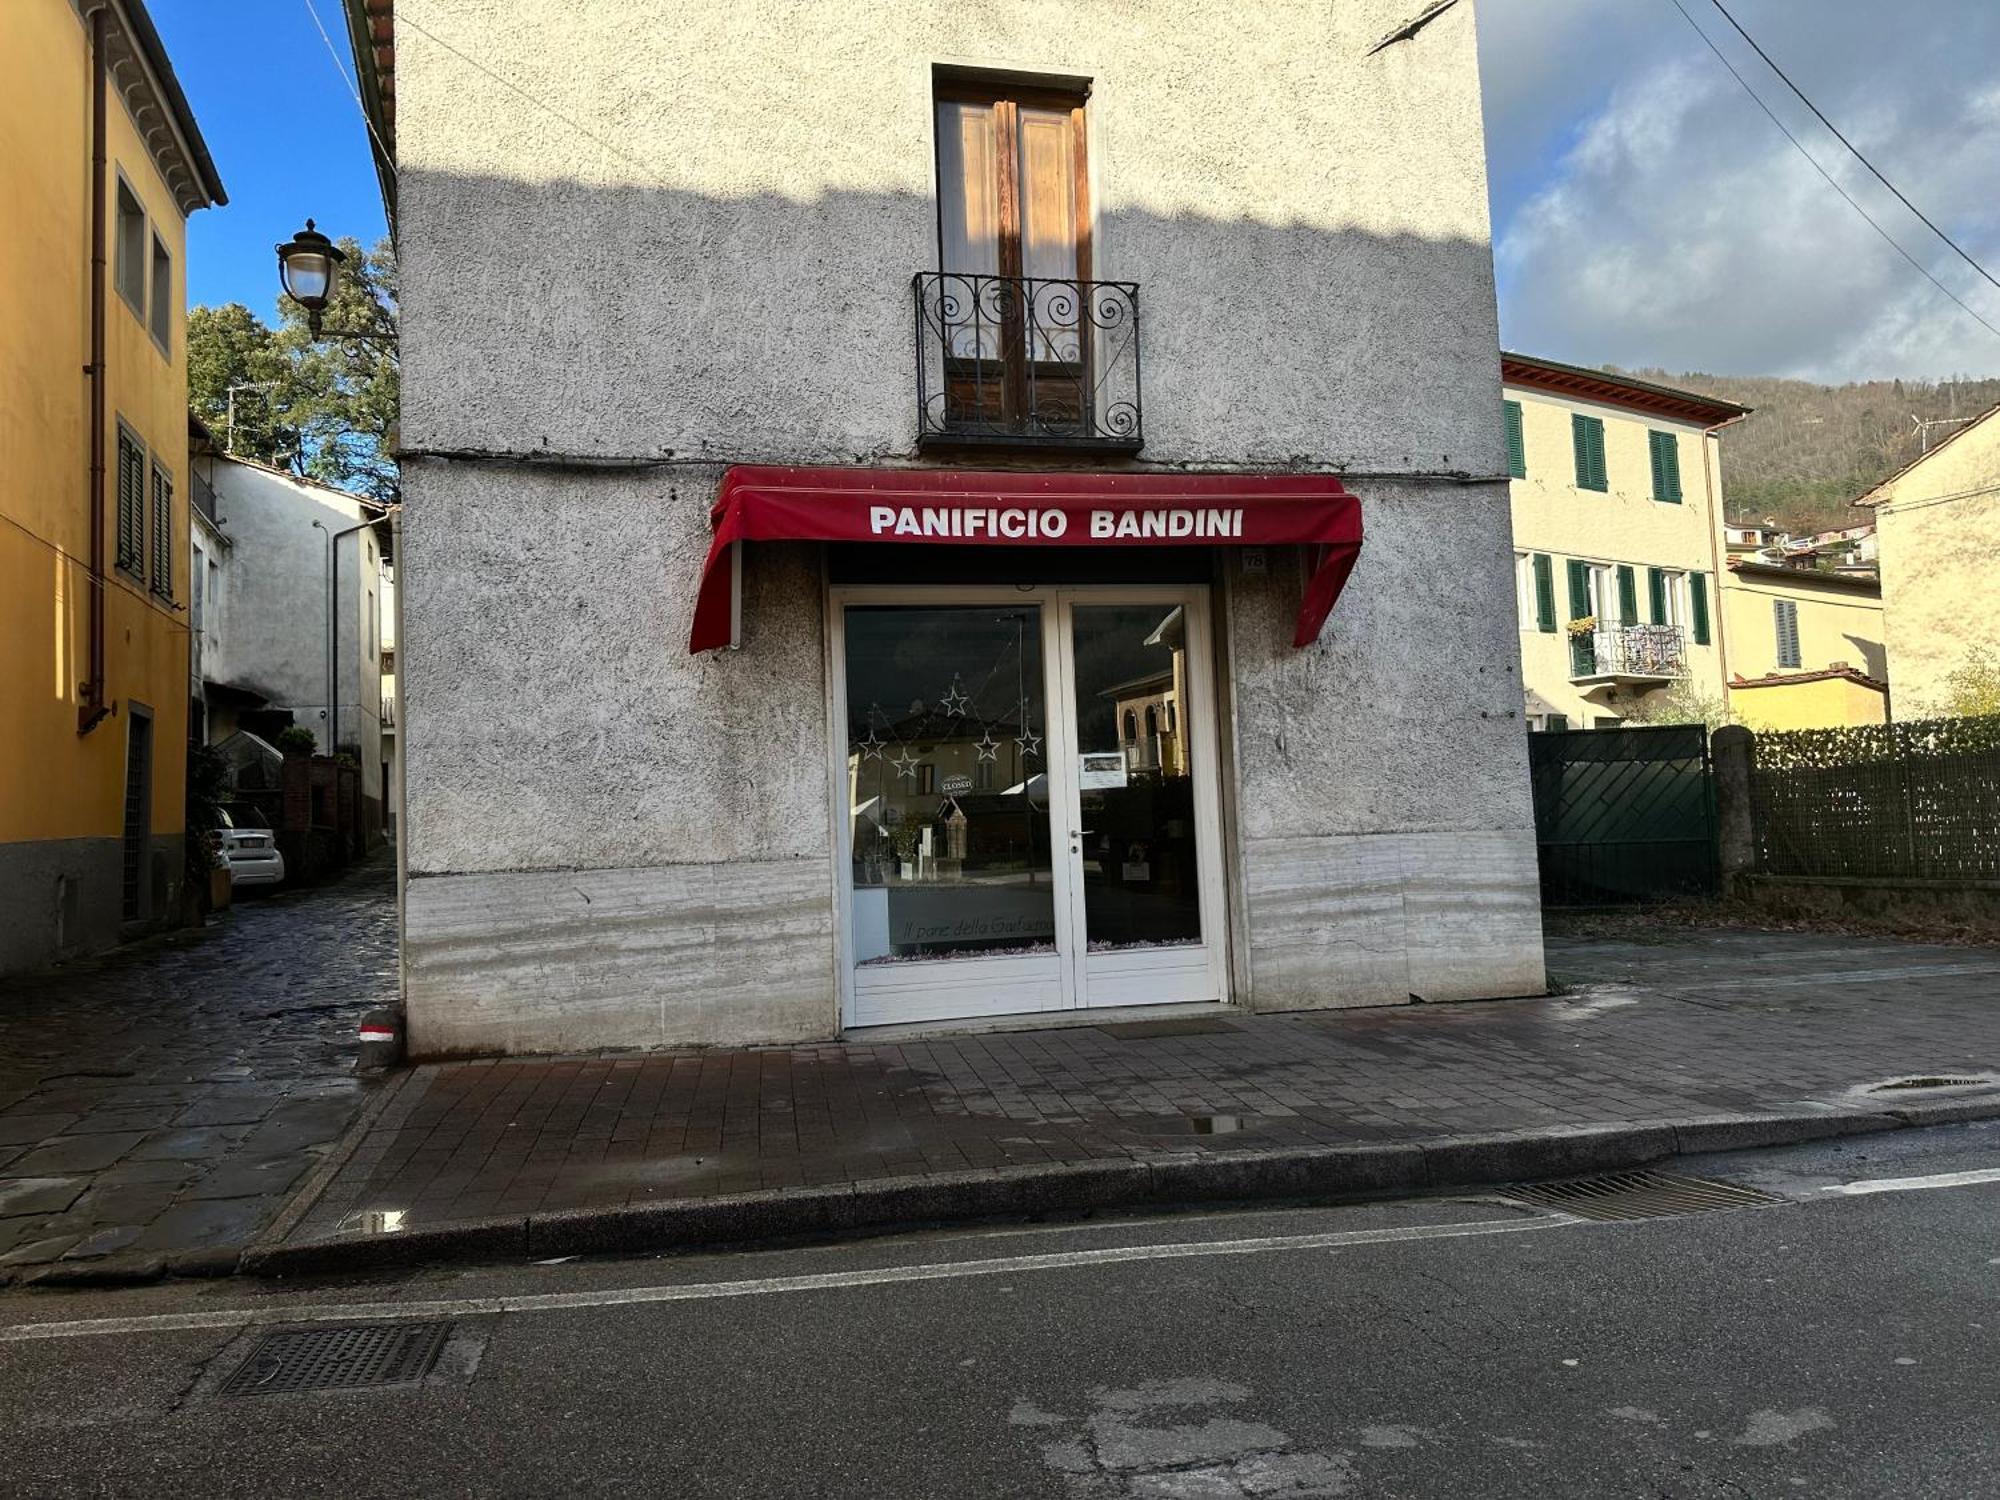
column 1821, row 117
column 340, row 68
column 1831, row 182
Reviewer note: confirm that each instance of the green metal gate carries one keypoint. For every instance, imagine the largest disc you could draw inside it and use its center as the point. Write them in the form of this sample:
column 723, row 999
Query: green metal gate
column 1624, row 814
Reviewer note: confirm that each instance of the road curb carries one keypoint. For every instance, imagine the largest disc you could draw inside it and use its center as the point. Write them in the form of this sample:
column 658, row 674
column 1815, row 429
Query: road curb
column 1249, row 1176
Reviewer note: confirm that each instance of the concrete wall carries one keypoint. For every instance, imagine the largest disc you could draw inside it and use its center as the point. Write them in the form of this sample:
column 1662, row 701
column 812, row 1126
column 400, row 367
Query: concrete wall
column 1939, row 527
column 277, row 600
column 1621, row 525
column 663, row 271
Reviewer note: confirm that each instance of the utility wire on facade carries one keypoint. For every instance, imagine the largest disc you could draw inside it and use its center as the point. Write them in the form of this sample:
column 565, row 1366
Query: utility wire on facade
column 1831, row 180
column 1820, row 115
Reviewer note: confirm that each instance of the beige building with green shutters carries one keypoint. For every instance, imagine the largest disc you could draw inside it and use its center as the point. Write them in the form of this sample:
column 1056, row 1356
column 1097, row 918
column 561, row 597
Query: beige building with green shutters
column 1617, row 499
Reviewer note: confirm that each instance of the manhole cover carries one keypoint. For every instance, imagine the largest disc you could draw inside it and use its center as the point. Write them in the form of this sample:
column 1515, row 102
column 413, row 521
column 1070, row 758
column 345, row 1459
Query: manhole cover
column 1192, row 1026
column 1639, row 1195
column 1928, row 1082
column 333, row 1359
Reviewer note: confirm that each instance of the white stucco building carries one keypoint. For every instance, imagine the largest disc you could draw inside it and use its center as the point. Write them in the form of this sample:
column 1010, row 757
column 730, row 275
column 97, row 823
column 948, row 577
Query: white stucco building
column 274, row 555
column 1017, row 346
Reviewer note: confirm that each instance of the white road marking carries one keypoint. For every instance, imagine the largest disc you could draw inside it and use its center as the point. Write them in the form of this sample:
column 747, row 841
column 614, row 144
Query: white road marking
column 460, row 1307
column 1915, row 1184
column 1839, row 976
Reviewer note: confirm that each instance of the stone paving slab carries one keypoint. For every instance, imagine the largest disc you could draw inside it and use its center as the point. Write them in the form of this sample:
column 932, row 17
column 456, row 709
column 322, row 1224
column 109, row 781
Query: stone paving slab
column 1661, row 1025
column 168, row 1098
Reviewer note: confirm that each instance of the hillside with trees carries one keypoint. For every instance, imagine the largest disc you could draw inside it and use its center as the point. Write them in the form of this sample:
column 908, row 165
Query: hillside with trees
column 1809, row 449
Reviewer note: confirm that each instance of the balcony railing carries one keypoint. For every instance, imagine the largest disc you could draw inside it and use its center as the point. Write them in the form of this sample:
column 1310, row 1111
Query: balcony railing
column 1629, row 651
column 1027, row 361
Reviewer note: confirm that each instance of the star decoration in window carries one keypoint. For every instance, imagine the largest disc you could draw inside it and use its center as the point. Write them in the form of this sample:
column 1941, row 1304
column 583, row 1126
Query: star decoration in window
column 870, row 748
column 1030, row 742
column 988, row 748
column 905, row 764
column 954, row 700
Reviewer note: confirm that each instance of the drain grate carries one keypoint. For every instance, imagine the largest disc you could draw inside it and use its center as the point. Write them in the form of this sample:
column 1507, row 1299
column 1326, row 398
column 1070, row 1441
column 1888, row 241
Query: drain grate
column 1191, row 1026
column 1639, row 1195
column 1928, row 1081
column 335, row 1359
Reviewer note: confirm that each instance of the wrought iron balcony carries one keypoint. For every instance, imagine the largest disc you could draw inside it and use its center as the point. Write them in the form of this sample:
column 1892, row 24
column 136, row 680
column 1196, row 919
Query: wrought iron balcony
column 1628, row 653
column 1027, row 361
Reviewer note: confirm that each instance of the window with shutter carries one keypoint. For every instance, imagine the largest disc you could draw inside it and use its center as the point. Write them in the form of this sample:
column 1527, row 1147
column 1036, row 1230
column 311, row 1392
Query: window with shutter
column 131, row 505
column 1558, row 723
column 1545, row 593
column 1786, row 614
column 163, row 534
column 1517, row 452
column 1666, row 455
column 1698, row 606
column 1587, row 433
column 1628, row 595
column 1656, row 595
column 1579, row 589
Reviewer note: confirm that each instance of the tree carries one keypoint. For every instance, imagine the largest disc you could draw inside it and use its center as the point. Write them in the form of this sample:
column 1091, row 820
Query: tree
column 1972, row 688
column 324, row 408
column 1681, row 704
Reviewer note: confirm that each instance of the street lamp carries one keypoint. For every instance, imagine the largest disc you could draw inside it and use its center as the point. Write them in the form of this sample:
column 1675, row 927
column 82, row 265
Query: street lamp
column 307, row 264
column 308, row 268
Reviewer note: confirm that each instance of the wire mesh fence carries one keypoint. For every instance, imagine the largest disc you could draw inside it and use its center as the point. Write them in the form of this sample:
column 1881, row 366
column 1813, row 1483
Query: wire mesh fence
column 1915, row 800
column 1623, row 814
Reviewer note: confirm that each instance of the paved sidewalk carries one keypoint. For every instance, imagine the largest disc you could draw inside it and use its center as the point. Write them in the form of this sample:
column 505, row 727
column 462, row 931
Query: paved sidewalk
column 165, row 1100
column 1663, row 1025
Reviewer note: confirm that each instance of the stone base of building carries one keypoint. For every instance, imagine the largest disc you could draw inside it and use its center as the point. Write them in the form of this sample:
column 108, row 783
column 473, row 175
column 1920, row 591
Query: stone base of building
column 64, row 898
column 745, row 953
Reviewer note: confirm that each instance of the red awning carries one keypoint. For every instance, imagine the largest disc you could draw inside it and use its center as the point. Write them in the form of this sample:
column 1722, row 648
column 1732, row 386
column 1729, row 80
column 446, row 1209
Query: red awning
column 960, row 507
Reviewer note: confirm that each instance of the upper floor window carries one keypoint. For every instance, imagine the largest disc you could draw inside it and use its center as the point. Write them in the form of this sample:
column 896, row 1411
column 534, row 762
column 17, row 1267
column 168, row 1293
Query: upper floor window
column 1012, row 183
column 163, row 533
column 1517, row 451
column 1785, row 616
column 1665, row 448
column 162, row 312
column 129, row 268
column 1016, row 341
column 1587, row 434
column 131, row 504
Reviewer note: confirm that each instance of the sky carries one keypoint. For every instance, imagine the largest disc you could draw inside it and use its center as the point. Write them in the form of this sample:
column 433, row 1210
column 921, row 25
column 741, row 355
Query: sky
column 1645, row 211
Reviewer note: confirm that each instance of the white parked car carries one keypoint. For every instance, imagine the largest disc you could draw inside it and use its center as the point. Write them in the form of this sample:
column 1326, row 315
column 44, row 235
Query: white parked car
column 251, row 852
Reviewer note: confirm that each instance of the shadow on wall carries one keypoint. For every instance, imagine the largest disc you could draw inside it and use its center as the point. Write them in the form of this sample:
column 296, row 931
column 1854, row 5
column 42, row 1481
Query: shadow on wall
column 629, row 322
column 1871, row 657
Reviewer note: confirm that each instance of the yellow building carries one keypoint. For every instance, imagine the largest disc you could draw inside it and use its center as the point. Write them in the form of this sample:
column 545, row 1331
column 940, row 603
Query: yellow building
column 1805, row 646
column 100, row 165
column 1617, row 502
column 1938, row 524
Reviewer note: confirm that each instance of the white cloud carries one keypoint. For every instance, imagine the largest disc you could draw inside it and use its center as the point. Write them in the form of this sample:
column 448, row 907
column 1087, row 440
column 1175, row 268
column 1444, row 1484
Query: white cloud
column 1647, row 212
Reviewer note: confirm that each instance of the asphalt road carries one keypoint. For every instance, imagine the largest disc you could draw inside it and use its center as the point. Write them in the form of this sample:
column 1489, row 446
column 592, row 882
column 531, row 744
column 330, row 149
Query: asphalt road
column 1839, row 1344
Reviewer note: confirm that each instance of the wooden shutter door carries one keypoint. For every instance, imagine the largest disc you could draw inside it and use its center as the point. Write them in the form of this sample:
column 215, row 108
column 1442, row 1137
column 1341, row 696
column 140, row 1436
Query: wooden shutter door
column 1545, row 593
column 1517, row 452
column 1628, row 595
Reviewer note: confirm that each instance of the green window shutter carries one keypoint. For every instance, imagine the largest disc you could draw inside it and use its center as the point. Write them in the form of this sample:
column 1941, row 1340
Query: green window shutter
column 1587, row 435
column 1666, row 455
column 1698, row 606
column 1579, row 590
column 1628, row 594
column 1656, row 595
column 1517, row 452
column 1545, row 593
column 1558, row 723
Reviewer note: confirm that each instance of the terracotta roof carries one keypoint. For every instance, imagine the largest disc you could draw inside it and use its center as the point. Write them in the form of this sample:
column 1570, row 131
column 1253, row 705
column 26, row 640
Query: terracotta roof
column 1602, row 386
column 1839, row 669
column 1872, row 582
column 1869, row 498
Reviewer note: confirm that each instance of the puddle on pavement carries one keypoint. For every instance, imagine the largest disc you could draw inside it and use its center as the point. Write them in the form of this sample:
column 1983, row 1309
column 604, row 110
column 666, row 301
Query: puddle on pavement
column 373, row 1221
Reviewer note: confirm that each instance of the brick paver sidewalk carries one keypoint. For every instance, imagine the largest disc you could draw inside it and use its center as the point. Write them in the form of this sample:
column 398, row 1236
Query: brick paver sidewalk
column 165, row 1100
column 1673, row 1025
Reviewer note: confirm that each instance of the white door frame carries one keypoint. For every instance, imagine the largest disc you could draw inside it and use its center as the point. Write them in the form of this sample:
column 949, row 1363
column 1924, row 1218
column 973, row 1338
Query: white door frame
column 1067, row 977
